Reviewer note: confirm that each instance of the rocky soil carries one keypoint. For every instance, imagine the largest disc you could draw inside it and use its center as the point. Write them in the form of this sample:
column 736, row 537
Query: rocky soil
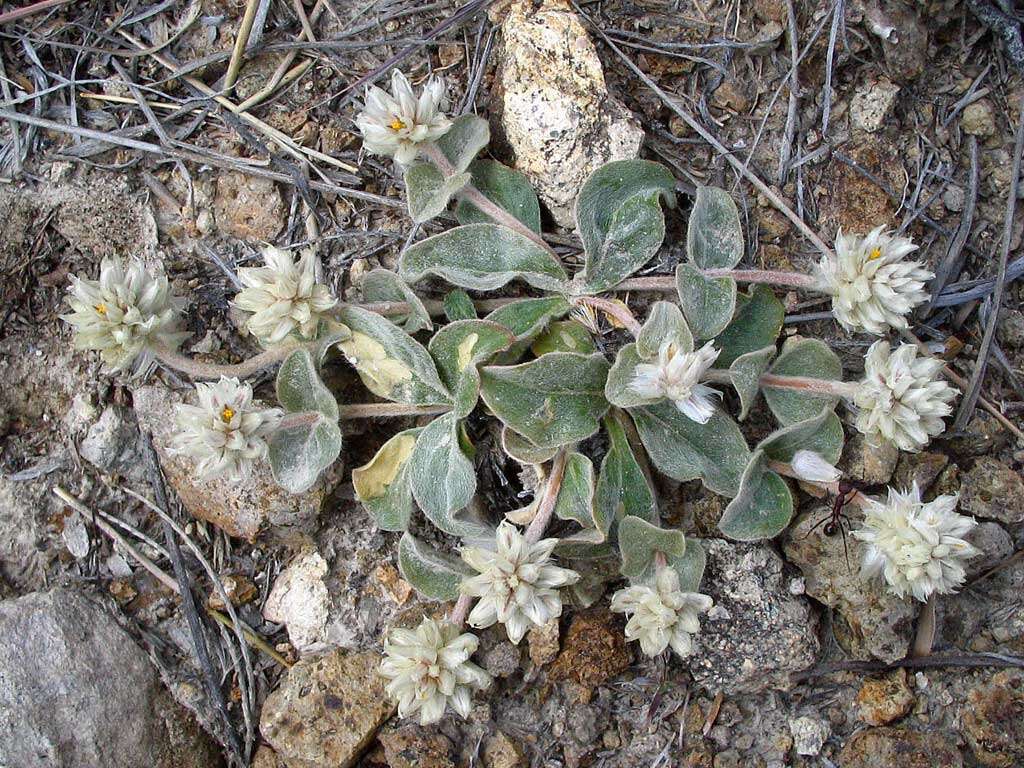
column 904, row 114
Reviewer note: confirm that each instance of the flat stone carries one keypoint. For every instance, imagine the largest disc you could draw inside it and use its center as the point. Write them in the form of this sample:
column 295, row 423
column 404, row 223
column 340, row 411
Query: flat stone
column 869, row 464
column 543, row 643
column 852, row 201
column 992, row 490
column 299, row 600
column 871, row 622
column 244, row 508
column 809, row 734
column 501, row 752
column 247, row 207
column 594, row 651
column 757, row 633
column 922, row 468
column 993, row 720
column 556, row 112
column 76, row 690
column 407, row 745
column 112, row 443
column 326, row 711
column 902, row 747
column 978, row 119
column 872, row 105
column 883, row 700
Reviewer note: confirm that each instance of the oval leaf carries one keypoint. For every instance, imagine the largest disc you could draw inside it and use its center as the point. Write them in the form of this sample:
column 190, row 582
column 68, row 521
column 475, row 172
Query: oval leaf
column 639, row 541
column 822, row 434
column 664, row 325
column 564, row 336
column 622, row 487
column 576, row 494
column 482, row 257
column 433, row 574
column 745, row 376
column 464, row 140
column 714, row 235
column 385, row 285
column 708, row 303
column 527, row 319
column 757, row 324
column 690, row 566
column 302, row 446
column 763, row 507
column 299, row 387
column 501, row 185
column 459, row 306
column 428, row 191
column 809, row 358
column 382, row 484
column 458, row 348
column 619, row 387
column 522, row 450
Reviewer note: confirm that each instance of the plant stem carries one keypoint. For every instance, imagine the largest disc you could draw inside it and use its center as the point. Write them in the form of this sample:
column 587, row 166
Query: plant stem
column 547, row 502
column 460, row 610
column 667, row 283
column 388, row 410
column 473, row 195
column 614, row 309
column 924, row 639
column 200, row 370
column 845, row 389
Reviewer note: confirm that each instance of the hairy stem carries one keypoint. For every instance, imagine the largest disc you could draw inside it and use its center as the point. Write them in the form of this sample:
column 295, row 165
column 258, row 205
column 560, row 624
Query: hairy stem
column 667, row 283
column 547, row 502
column 614, row 309
column 388, row 410
column 846, row 389
column 460, row 610
column 200, row 370
column 473, row 195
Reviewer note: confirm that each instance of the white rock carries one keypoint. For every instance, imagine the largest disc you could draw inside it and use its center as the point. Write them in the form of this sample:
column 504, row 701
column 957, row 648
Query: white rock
column 299, row 600
column 809, row 734
column 557, row 114
column 872, row 105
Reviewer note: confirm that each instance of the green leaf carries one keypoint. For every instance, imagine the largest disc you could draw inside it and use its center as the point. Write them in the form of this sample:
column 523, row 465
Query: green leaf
column 433, row 574
column 822, row 434
column 762, row 508
column 464, row 140
column 690, row 566
column 576, row 494
column 509, row 189
column 619, row 219
column 527, row 319
column 714, row 236
column 391, row 363
column 385, row 285
column 299, row 387
column 810, row 358
column 302, row 446
column 382, row 484
column 482, row 257
column 639, row 541
column 564, row 336
column 428, row 191
column 442, row 477
column 622, row 487
column 459, row 306
column 552, row 401
column 745, row 376
column 684, row 450
column 458, row 348
column 757, row 324
column 522, row 450
column 664, row 324
column 618, row 389
column 707, row 303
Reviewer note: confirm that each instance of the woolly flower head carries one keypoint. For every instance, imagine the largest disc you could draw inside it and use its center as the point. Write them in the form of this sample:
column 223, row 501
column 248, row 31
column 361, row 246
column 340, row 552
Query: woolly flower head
column 661, row 614
column 428, row 670
column 128, row 309
column 395, row 123
column 873, row 285
column 517, row 584
column 918, row 548
column 677, row 376
column 224, row 434
column 283, row 296
column 901, row 398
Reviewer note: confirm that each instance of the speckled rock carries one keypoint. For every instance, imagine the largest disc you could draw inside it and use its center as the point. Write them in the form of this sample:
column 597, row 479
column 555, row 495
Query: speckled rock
column 248, row 207
column 868, row 464
column 243, row 508
column 593, row 652
column 892, row 747
column 993, row 720
column 76, row 690
column 883, row 700
column 407, row 745
column 299, row 600
column 993, row 490
column 809, row 734
column 978, row 119
column 757, row 633
column 870, row 621
column 502, row 660
column 922, row 468
column 502, row 752
column 112, row 443
column 556, row 113
column 872, row 105
column 543, row 643
column 326, row 711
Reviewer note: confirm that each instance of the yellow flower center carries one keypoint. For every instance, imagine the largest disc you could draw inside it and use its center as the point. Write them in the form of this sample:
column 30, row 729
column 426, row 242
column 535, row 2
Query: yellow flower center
column 396, row 125
column 101, row 309
column 227, row 414
column 875, row 254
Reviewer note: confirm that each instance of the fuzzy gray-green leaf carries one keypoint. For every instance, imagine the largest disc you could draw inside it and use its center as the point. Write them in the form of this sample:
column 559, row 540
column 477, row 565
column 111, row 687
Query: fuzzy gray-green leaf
column 433, row 574
column 564, row 336
column 464, row 140
column 576, row 494
column 690, row 566
column 664, row 325
column 808, row 358
column 757, row 324
column 299, row 387
column 639, row 541
column 618, row 389
column 622, row 487
column 822, row 434
column 522, row 450
column 458, row 306
column 527, row 319
column 745, row 375
column 302, row 447
column 762, row 508
column 708, row 303
column 458, row 348
column 428, row 191
column 382, row 484
column 509, row 189
column 714, row 235
column 384, row 285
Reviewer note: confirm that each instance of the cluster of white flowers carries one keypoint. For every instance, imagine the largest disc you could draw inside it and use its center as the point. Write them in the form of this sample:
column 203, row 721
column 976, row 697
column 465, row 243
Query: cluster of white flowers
column 661, row 614
column 901, row 398
column 517, row 583
column 918, row 548
column 224, row 434
column 873, row 285
column 396, row 123
column 284, row 296
column 677, row 376
column 428, row 670
column 124, row 313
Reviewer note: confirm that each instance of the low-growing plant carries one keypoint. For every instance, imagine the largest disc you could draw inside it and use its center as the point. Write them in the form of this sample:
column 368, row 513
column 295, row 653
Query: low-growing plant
column 554, row 370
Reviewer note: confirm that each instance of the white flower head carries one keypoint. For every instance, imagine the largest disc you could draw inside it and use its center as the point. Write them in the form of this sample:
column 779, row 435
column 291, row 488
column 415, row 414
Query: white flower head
column 661, row 614
column 283, row 296
column 224, row 434
column 810, row 466
column 124, row 312
column 517, row 584
column 677, row 376
column 901, row 398
column 873, row 285
column 394, row 124
column 428, row 670
column 918, row 548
